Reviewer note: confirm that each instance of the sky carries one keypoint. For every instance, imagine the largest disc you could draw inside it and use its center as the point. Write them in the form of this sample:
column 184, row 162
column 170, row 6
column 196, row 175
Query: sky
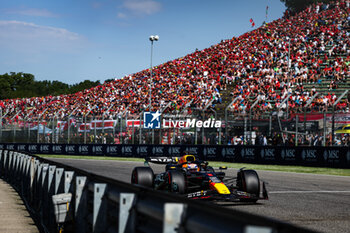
column 72, row 41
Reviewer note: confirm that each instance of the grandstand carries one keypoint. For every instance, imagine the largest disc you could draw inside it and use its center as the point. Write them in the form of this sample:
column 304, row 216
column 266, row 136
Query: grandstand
column 296, row 64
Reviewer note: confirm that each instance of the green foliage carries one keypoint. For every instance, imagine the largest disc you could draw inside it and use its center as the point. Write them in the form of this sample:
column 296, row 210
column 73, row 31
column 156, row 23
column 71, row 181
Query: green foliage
column 86, row 84
column 23, row 85
column 299, row 5
column 109, row 80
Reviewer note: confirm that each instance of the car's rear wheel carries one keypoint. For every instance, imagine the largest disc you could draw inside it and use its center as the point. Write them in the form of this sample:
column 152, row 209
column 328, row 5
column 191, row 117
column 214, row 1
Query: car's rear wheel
column 177, row 182
column 143, row 176
column 248, row 181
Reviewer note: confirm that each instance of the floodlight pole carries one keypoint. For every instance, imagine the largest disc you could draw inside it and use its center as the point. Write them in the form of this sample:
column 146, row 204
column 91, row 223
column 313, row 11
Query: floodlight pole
column 151, row 38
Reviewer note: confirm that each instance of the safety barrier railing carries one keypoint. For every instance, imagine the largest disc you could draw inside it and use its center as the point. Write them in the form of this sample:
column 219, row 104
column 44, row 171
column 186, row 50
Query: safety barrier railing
column 66, row 199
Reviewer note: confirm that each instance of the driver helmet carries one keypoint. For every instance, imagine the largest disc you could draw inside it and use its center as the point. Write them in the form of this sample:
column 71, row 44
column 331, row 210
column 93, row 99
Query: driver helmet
column 187, row 162
column 186, row 159
column 192, row 167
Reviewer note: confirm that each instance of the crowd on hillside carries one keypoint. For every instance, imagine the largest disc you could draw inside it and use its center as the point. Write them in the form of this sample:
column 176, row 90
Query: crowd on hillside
column 256, row 63
column 266, row 75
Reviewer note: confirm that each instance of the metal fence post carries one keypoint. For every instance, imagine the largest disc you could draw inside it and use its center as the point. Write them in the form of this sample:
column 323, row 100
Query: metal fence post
column 68, row 178
column 126, row 218
column 50, row 177
column 14, row 167
column 58, row 181
column 5, row 163
column 1, row 161
column 43, row 191
column 37, row 185
column 173, row 217
column 16, row 164
column 80, row 204
column 99, row 209
column 141, row 125
column 296, row 129
column 10, row 161
column 16, row 177
column 324, row 128
column 20, row 167
column 32, row 169
column 245, row 131
column 27, row 176
column 50, row 190
column 23, row 173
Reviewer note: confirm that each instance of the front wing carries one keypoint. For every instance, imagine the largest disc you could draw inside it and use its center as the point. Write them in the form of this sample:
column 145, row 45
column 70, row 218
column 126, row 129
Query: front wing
column 235, row 195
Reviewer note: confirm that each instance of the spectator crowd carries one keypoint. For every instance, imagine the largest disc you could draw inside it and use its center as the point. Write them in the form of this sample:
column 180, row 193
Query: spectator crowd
column 267, row 64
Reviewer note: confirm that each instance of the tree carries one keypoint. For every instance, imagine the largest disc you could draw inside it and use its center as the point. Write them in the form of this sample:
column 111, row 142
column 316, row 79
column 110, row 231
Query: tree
column 23, row 85
column 86, row 84
column 299, row 5
column 109, row 80
column 5, row 87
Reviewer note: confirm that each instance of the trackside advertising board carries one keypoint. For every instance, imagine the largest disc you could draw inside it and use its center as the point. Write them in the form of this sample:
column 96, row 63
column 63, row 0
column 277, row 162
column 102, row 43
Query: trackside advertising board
column 307, row 156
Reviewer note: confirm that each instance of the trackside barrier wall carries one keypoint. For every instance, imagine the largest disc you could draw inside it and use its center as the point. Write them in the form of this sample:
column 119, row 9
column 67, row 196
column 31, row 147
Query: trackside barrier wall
column 338, row 157
column 101, row 204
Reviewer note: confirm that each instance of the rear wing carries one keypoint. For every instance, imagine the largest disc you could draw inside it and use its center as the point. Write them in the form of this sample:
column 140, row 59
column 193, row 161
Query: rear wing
column 162, row 160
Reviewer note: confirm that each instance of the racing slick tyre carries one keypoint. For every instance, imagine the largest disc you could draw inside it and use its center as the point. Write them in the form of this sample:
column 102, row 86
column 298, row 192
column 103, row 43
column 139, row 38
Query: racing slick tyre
column 248, row 181
column 177, row 182
column 143, row 176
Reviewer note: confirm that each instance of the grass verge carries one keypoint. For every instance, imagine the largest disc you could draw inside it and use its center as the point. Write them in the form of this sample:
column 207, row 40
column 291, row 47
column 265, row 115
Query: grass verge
column 90, row 157
column 285, row 168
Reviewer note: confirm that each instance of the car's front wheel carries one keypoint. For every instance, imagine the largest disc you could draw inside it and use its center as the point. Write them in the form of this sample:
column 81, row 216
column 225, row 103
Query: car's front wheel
column 176, row 182
column 248, row 181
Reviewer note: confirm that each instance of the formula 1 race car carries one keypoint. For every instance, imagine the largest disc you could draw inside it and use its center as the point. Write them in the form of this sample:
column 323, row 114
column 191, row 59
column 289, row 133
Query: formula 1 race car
column 196, row 180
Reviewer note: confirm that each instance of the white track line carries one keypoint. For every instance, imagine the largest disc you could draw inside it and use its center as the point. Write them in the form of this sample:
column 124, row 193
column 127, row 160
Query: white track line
column 316, row 191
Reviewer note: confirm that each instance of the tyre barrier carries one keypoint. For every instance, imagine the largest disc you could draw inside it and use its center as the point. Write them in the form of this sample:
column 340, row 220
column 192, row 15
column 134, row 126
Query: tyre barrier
column 64, row 198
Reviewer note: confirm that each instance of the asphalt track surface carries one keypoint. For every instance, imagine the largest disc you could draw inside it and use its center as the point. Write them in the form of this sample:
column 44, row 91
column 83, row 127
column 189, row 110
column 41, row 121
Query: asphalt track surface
column 317, row 202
